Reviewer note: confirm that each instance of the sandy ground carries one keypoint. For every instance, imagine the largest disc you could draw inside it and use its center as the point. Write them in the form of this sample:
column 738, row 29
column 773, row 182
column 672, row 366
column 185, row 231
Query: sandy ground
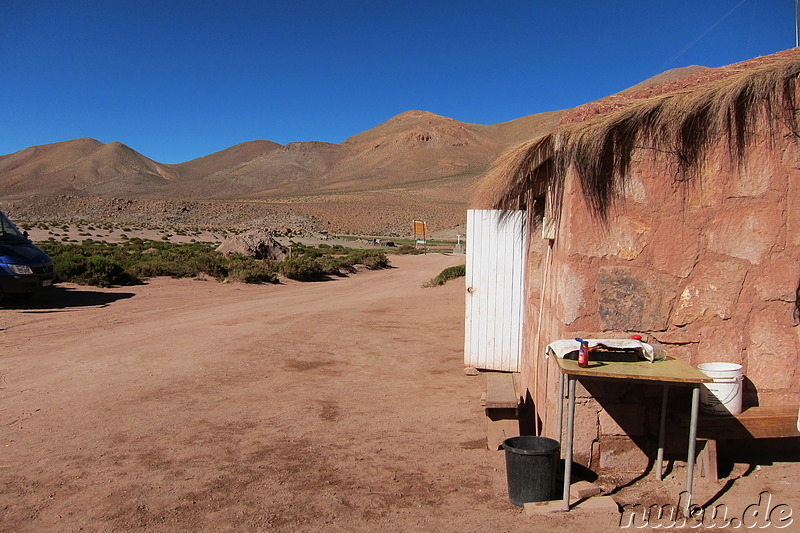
column 186, row 405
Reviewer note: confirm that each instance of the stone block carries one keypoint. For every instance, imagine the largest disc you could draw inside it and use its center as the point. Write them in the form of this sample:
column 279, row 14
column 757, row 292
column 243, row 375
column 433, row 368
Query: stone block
column 583, row 489
column 570, row 288
column 775, row 280
column 772, row 351
column 745, row 233
column 756, row 174
column 676, row 247
column 607, row 390
column 712, row 292
column 585, row 432
column 540, row 508
column 633, row 299
column 721, row 341
column 605, row 504
column 624, row 237
column 623, row 419
column 471, row 371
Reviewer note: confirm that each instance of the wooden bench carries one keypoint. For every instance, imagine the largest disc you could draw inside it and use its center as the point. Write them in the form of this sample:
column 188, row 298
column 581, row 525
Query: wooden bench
column 754, row 422
column 502, row 408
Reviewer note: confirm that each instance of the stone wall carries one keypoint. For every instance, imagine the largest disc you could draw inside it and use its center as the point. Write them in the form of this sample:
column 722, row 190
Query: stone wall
column 707, row 267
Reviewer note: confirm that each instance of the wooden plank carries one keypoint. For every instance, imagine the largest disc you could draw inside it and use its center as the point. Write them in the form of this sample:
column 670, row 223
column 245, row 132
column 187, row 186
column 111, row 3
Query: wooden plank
column 754, row 422
column 500, row 391
column 758, row 422
column 501, row 424
column 670, row 370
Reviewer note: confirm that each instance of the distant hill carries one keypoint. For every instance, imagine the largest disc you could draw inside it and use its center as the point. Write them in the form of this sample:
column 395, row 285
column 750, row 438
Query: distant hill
column 414, row 165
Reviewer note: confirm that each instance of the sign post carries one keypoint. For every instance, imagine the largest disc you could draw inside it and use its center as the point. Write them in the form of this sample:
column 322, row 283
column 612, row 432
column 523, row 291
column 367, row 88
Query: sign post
column 420, row 230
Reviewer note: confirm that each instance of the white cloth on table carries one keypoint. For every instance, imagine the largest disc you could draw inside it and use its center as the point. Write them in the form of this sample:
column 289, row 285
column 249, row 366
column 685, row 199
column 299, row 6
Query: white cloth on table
column 562, row 347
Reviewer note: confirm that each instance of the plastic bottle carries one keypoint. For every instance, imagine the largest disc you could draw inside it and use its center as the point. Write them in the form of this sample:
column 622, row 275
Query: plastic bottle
column 583, row 354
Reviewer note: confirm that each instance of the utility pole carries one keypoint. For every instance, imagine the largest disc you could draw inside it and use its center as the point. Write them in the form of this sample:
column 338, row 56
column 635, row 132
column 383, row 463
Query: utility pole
column 796, row 23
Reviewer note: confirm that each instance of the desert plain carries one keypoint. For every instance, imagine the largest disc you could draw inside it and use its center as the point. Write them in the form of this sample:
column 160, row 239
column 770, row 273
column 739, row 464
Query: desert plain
column 189, row 405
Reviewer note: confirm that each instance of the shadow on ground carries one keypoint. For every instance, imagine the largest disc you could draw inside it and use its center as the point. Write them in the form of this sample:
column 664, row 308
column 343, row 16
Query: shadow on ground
column 61, row 298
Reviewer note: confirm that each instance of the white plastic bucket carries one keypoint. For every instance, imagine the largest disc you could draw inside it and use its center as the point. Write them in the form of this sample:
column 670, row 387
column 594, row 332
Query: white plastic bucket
column 724, row 395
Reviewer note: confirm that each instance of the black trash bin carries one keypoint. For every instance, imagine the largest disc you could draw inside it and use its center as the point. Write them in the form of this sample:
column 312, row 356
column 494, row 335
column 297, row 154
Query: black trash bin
column 531, row 466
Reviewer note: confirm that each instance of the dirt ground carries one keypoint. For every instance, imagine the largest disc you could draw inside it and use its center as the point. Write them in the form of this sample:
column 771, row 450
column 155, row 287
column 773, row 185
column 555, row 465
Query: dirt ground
column 186, row 405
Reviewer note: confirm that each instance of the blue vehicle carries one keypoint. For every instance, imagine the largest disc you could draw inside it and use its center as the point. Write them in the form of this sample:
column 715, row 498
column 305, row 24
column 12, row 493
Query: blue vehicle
column 24, row 269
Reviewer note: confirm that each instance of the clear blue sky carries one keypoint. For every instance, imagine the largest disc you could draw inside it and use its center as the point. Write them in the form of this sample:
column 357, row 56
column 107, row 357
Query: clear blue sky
column 176, row 80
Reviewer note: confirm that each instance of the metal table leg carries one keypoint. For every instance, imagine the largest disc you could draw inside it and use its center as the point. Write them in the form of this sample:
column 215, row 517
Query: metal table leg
column 692, row 444
column 568, row 451
column 661, row 427
column 559, row 424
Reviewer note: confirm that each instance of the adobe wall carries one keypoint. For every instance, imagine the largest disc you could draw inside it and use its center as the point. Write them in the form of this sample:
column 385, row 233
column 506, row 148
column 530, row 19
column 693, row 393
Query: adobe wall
column 708, row 268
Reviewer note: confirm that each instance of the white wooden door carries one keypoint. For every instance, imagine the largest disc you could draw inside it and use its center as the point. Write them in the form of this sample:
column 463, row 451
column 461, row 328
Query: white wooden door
column 495, row 274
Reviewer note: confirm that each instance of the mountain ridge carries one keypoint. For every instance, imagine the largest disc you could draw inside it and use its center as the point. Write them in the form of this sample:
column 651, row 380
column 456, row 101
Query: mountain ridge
column 416, row 164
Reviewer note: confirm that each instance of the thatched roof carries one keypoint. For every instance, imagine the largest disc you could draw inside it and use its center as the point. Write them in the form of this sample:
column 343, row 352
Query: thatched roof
column 680, row 125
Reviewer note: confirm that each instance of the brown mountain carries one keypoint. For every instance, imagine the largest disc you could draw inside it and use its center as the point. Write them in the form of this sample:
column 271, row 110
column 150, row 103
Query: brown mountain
column 82, row 166
column 416, row 164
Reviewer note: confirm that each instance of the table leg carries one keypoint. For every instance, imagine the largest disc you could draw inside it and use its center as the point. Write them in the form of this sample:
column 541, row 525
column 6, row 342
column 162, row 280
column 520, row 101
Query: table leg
column 559, row 424
column 661, row 426
column 568, row 450
column 692, row 444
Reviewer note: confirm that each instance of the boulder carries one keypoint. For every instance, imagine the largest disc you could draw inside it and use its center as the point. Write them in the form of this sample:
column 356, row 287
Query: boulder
column 256, row 243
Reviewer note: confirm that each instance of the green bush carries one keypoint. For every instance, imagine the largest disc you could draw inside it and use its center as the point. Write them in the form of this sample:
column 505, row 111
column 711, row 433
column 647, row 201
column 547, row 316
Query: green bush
column 102, row 263
column 375, row 261
column 253, row 273
column 446, row 275
column 407, row 249
column 92, row 270
column 302, row 269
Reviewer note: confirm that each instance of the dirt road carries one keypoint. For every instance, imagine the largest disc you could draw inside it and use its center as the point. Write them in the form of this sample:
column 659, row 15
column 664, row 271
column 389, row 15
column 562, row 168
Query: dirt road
column 185, row 405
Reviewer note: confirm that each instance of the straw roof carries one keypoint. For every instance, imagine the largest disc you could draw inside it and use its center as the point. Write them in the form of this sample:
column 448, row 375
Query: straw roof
column 681, row 125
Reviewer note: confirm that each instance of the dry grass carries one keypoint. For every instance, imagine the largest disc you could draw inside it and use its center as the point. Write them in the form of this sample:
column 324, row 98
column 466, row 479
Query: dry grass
column 682, row 125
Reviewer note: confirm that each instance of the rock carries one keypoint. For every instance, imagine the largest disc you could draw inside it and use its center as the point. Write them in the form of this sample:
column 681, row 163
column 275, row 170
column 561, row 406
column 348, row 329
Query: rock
column 630, row 299
column 712, row 292
column 256, row 243
column 583, row 489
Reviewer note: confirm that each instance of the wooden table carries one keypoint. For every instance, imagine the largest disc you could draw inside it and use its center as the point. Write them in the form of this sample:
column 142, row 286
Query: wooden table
column 668, row 372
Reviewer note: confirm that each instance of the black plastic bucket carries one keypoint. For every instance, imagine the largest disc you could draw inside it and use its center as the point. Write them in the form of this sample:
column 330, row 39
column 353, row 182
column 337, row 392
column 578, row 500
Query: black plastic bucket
column 531, row 467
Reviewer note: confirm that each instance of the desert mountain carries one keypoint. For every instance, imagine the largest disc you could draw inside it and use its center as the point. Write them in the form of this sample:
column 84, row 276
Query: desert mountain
column 414, row 165
column 82, row 166
column 415, row 147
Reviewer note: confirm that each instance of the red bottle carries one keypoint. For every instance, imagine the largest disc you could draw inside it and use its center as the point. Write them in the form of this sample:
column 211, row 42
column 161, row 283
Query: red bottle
column 583, row 354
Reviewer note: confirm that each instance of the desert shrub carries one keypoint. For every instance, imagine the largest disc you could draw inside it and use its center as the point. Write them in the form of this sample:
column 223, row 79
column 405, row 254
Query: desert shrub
column 255, row 272
column 407, row 249
column 375, row 261
column 446, row 275
column 159, row 266
column 105, row 272
column 101, row 263
column 68, row 266
column 211, row 265
column 91, row 270
column 331, row 266
column 302, row 268
column 372, row 259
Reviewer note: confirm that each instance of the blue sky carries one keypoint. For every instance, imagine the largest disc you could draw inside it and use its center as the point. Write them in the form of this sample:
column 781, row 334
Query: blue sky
column 176, row 80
